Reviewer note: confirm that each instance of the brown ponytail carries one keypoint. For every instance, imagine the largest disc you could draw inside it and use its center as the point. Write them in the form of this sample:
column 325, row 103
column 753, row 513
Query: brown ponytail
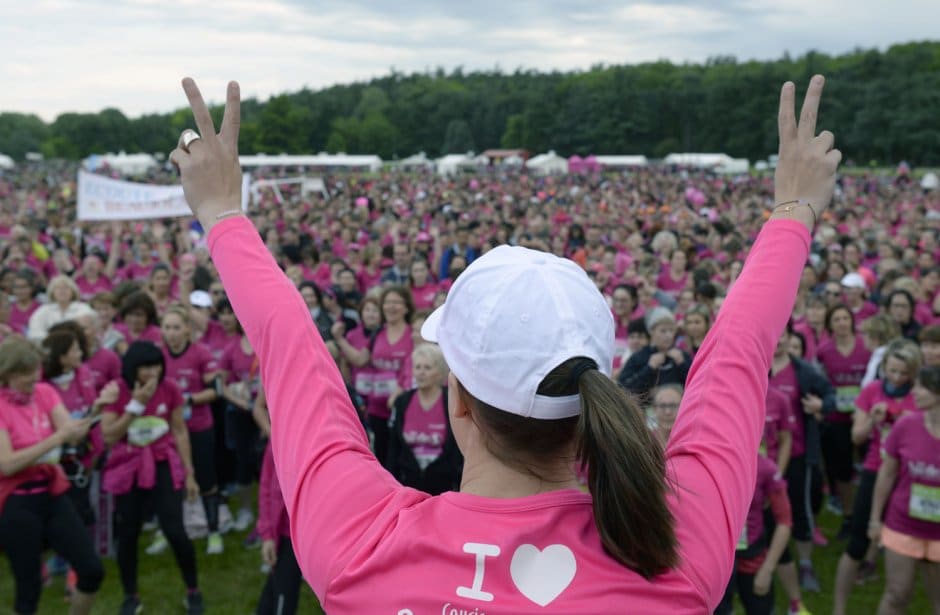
column 626, row 465
column 626, row 477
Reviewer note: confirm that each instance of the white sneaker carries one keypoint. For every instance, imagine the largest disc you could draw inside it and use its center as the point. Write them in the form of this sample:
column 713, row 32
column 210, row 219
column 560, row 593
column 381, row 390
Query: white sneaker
column 159, row 544
column 214, row 544
column 243, row 520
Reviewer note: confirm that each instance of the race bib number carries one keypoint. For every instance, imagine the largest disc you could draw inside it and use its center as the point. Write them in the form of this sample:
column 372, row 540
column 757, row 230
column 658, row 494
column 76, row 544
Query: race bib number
column 384, row 386
column 925, row 503
column 52, row 457
column 145, row 430
column 743, row 544
column 364, row 384
column 845, row 398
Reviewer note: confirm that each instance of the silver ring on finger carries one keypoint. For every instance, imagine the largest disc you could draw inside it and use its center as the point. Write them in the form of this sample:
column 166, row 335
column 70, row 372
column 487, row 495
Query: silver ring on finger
column 188, row 137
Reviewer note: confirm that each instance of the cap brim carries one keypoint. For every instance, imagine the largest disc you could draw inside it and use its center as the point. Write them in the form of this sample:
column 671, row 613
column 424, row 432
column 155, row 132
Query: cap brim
column 431, row 323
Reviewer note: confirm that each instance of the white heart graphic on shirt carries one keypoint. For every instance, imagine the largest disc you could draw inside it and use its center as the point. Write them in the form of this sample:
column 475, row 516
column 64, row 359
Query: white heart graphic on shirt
column 541, row 576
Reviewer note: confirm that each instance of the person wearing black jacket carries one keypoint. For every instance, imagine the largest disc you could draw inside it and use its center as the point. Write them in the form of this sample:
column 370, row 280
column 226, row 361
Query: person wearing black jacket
column 811, row 397
column 659, row 363
column 422, row 451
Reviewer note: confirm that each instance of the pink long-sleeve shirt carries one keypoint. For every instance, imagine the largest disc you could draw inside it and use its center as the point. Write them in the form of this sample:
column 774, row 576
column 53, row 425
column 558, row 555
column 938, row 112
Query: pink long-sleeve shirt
column 368, row 545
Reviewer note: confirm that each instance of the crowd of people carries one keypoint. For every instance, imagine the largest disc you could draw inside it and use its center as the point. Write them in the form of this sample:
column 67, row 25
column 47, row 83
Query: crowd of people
column 125, row 328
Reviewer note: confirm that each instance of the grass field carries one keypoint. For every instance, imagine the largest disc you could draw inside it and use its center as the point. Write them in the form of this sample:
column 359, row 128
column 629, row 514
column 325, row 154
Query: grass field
column 232, row 582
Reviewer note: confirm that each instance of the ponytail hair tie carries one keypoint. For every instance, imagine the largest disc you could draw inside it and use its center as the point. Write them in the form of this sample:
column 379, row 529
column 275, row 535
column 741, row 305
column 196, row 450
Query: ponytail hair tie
column 582, row 365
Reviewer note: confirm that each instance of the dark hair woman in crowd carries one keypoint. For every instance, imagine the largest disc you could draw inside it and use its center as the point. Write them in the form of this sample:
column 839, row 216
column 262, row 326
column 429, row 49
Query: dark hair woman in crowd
column 35, row 512
column 148, row 468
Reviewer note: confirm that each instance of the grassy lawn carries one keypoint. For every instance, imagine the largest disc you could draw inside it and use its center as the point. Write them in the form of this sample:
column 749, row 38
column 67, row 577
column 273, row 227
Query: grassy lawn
column 232, row 583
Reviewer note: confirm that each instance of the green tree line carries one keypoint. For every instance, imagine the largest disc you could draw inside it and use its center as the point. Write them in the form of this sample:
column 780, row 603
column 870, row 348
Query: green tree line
column 884, row 107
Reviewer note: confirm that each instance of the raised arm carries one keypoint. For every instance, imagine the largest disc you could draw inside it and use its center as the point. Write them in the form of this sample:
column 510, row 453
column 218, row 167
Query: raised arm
column 318, row 443
column 713, row 448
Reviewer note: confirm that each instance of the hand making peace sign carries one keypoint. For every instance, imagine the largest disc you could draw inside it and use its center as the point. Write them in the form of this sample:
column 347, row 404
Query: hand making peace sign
column 208, row 162
column 806, row 171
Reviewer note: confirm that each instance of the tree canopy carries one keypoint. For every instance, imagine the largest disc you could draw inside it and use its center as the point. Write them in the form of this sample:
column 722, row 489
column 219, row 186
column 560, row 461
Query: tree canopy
column 883, row 107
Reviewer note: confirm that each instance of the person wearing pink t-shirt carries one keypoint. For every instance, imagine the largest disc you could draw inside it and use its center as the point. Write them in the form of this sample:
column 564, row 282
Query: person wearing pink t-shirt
column 140, row 321
column 103, row 364
column 422, row 452
column 354, row 346
column 844, row 359
column 529, row 341
column 75, row 384
column 35, row 512
column 813, row 327
column 810, row 398
column 193, row 368
column 281, row 591
column 879, row 406
column 760, row 546
column 905, row 510
column 241, row 379
column 389, row 352
column 423, row 288
column 92, row 280
column 674, row 276
column 149, row 467
column 24, row 302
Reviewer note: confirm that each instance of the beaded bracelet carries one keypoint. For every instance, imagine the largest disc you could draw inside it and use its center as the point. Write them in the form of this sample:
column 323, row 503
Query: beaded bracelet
column 235, row 212
column 789, row 206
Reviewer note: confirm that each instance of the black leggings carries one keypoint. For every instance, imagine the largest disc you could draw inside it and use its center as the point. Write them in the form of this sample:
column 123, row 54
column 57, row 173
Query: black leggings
column 29, row 523
column 130, row 509
column 379, row 427
column 202, row 444
column 861, row 511
column 282, row 589
column 837, row 450
column 753, row 604
column 242, row 437
column 804, row 487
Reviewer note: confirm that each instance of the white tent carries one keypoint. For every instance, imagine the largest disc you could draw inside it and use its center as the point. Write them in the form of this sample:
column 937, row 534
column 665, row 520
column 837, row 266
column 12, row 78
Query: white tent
column 127, row 164
column 720, row 163
column 416, row 162
column 452, row 164
column 930, row 181
column 621, row 162
column 6, row 162
column 321, row 161
column 548, row 164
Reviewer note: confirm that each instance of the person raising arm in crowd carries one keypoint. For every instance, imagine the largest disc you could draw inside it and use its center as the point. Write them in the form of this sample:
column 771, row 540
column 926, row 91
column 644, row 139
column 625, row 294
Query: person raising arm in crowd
column 529, row 340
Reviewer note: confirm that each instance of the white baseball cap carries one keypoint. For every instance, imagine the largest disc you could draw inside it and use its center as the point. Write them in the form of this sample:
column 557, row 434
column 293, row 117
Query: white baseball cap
column 512, row 317
column 200, row 298
column 853, row 280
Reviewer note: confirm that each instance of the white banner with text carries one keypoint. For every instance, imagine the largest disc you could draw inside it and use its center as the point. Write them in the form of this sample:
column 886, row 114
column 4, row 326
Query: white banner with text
column 103, row 198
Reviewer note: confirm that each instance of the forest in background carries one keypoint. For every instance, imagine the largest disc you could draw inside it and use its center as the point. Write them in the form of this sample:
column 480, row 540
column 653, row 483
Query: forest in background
column 883, row 106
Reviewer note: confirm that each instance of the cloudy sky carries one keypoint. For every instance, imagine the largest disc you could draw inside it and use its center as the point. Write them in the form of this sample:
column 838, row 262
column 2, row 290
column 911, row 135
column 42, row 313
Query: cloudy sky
column 84, row 55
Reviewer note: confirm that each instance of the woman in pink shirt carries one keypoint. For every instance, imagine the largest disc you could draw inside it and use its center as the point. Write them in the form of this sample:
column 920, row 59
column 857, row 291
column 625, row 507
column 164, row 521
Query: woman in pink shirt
column 193, row 368
column 879, row 406
column 75, row 384
column 422, row 452
column 35, row 511
column 354, row 346
column 24, row 302
column 529, row 341
column 148, row 467
column 422, row 287
column 905, row 510
column 241, row 377
column 140, row 321
column 388, row 357
column 813, row 327
column 844, row 359
column 674, row 277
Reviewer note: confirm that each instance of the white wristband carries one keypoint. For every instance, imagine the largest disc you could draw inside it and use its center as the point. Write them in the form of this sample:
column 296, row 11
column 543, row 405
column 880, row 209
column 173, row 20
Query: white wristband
column 135, row 407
